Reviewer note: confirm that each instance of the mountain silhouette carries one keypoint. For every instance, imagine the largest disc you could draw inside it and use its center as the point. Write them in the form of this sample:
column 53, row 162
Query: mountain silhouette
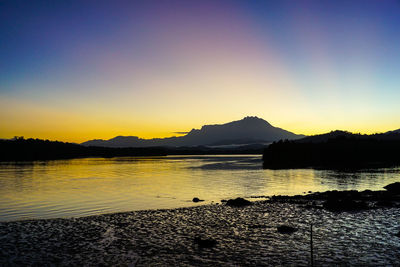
column 249, row 130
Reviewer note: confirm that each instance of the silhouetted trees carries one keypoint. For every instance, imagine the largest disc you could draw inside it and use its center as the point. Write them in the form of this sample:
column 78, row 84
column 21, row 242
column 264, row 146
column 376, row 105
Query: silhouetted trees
column 20, row 149
column 36, row 149
column 345, row 151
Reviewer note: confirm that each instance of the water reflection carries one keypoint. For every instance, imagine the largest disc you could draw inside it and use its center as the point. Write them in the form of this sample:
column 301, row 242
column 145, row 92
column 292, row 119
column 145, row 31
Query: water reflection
column 79, row 187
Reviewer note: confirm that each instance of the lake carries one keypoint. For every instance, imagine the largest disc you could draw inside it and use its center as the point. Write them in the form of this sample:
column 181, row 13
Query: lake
column 81, row 187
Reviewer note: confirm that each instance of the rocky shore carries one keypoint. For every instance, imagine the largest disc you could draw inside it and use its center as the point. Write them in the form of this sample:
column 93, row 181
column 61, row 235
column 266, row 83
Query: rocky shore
column 216, row 235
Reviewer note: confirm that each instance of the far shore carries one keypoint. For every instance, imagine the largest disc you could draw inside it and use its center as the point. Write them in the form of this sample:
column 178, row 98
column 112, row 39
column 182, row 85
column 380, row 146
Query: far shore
column 21, row 149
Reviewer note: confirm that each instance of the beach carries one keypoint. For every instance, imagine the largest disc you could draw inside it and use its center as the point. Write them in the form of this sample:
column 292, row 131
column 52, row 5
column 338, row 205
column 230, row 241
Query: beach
column 244, row 236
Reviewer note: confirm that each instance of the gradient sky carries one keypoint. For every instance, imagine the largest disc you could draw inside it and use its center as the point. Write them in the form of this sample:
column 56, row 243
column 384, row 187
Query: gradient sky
column 78, row 70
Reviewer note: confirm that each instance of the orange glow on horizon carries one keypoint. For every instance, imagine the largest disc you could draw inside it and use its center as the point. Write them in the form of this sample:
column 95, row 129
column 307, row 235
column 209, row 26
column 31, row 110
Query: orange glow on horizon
column 29, row 120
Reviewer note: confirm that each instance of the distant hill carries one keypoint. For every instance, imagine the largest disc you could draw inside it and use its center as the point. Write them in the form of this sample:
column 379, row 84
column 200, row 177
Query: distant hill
column 391, row 135
column 395, row 131
column 249, row 130
column 325, row 137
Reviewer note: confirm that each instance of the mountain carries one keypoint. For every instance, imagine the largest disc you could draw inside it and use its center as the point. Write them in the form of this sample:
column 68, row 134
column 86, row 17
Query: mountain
column 249, row 130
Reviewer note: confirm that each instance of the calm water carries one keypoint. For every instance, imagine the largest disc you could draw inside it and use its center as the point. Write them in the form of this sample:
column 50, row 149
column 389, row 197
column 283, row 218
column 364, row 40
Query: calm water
column 80, row 187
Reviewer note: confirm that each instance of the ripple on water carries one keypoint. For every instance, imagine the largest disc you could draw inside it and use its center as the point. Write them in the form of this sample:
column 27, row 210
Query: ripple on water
column 79, row 187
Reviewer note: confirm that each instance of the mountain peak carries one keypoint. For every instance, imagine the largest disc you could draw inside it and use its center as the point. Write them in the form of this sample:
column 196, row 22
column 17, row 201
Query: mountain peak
column 122, row 138
column 251, row 118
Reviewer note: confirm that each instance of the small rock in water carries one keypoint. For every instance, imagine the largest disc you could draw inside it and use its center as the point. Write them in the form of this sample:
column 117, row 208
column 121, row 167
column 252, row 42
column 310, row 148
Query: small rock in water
column 285, row 229
column 196, row 199
column 205, row 243
column 238, row 202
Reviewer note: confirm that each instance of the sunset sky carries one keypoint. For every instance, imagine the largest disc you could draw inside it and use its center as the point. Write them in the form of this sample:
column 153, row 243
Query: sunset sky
column 79, row 70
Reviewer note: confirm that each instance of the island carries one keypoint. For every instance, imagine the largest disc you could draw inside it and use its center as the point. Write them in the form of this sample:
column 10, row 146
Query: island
column 335, row 150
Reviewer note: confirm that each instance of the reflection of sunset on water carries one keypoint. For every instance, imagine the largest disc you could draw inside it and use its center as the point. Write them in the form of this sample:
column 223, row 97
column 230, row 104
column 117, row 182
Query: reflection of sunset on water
column 79, row 187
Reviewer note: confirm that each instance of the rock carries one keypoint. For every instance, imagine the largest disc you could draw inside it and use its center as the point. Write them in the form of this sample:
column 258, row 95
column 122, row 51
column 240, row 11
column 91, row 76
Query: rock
column 385, row 203
column 344, row 205
column 196, row 199
column 393, row 188
column 285, row 229
column 238, row 202
column 205, row 243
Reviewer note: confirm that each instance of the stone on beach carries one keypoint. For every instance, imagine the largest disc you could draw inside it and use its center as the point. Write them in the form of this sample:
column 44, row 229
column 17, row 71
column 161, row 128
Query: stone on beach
column 285, row 229
column 346, row 204
column 385, row 203
column 205, row 242
column 238, row 202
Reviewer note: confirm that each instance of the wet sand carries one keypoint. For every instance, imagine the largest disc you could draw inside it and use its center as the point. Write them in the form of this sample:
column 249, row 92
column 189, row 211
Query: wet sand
column 245, row 237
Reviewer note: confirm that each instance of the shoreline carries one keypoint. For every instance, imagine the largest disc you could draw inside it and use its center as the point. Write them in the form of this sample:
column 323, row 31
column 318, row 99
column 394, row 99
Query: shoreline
column 243, row 236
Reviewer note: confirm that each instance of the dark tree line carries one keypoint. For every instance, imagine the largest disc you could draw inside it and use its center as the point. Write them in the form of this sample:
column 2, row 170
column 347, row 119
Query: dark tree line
column 36, row 149
column 20, row 149
column 340, row 152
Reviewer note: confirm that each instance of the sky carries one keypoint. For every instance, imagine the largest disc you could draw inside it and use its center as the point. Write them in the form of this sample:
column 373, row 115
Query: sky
column 80, row 70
